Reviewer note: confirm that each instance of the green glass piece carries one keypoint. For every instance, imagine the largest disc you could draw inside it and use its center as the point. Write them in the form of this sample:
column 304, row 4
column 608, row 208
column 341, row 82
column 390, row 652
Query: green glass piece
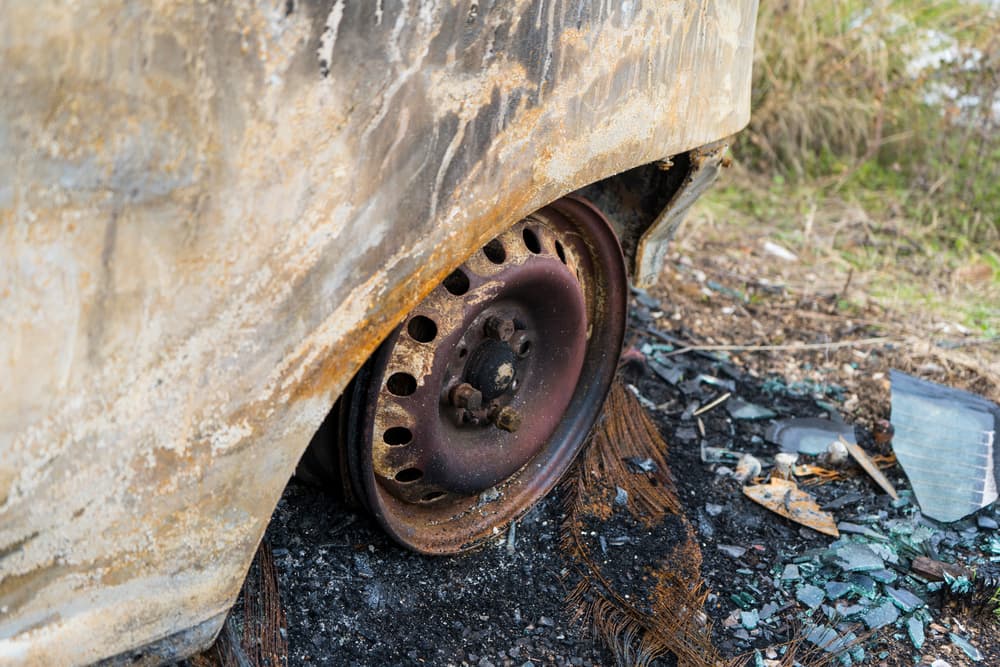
column 856, row 557
column 969, row 649
column 904, row 599
column 836, row 589
column 915, row 628
column 882, row 615
column 749, row 619
column 809, row 595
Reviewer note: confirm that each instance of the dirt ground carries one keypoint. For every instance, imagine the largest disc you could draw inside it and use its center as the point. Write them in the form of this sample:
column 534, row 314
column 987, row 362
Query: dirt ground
column 352, row 597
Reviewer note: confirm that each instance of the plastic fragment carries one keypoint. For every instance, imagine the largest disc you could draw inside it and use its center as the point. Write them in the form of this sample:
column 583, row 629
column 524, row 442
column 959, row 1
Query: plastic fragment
column 945, row 442
column 785, row 498
column 882, row 615
column 967, row 648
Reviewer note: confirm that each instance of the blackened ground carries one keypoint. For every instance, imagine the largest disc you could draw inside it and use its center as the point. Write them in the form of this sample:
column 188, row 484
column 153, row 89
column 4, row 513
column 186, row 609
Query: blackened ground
column 353, row 597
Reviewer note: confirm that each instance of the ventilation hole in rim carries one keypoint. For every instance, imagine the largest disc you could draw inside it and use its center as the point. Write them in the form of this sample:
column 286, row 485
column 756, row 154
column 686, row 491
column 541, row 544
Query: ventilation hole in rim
column 561, row 252
column 409, row 475
column 457, row 282
column 495, row 252
column 397, row 435
column 463, row 353
column 531, row 241
column 401, row 384
column 524, row 348
column 422, row 329
column 432, row 496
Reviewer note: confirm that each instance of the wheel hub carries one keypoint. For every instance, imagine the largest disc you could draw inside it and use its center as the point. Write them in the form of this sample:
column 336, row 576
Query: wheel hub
column 474, row 407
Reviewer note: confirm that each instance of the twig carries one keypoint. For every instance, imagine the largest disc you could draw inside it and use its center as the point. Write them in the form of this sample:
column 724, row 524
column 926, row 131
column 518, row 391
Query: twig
column 705, row 408
column 790, row 347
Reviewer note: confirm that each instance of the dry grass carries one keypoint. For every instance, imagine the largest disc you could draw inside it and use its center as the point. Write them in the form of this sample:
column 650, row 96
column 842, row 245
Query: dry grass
column 844, row 114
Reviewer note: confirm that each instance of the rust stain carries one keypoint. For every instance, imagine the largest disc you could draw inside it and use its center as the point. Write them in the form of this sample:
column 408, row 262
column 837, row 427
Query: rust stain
column 272, row 226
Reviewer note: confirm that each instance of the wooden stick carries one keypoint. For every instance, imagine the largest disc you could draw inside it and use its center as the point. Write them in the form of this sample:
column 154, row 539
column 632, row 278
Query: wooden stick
column 790, row 347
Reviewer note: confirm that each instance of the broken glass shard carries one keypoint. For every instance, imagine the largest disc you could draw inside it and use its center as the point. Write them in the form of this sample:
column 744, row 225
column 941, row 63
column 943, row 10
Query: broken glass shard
column 749, row 619
column 904, row 599
column 808, row 435
column 741, row 410
column 791, row 573
column 945, row 441
column 809, row 595
column 915, row 628
column 856, row 557
column 882, row 615
column 836, row 589
column 823, row 636
column 669, row 373
column 969, row 649
column 883, row 576
column 987, row 523
column 863, row 585
column 732, row 551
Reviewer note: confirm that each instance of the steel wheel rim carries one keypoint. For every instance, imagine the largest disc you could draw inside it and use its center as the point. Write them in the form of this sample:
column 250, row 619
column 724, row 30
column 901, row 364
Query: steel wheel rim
column 438, row 484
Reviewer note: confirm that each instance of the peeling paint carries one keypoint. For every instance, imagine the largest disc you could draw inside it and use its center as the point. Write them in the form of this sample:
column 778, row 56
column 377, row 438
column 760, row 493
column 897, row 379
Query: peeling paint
column 202, row 238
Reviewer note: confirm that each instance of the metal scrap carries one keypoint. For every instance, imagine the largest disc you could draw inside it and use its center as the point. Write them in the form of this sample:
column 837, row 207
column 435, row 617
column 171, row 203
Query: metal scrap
column 871, row 468
column 784, row 497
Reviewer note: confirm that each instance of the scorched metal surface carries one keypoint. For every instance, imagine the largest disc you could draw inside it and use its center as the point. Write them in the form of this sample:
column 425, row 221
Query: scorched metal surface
column 210, row 216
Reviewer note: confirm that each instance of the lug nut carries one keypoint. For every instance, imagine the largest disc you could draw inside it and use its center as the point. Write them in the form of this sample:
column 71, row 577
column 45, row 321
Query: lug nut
column 507, row 418
column 501, row 328
column 466, row 396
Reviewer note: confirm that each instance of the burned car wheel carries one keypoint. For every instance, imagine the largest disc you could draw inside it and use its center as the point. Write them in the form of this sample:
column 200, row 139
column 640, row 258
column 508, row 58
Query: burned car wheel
column 477, row 403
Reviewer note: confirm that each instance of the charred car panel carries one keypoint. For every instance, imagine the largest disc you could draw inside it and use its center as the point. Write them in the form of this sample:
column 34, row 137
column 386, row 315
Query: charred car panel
column 211, row 214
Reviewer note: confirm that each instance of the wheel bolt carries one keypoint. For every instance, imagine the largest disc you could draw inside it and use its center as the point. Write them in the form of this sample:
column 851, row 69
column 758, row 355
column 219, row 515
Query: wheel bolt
column 507, row 418
column 501, row 328
column 466, row 396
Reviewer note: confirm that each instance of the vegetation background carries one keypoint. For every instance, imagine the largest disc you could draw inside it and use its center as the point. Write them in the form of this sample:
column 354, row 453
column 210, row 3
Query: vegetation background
column 874, row 151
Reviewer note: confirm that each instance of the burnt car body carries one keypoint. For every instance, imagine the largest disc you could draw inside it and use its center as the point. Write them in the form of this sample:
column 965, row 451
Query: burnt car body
column 211, row 216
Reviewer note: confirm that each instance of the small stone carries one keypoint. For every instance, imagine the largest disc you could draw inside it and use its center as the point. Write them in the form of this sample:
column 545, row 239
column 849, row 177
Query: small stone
column 713, row 510
column 546, row 621
column 732, row 551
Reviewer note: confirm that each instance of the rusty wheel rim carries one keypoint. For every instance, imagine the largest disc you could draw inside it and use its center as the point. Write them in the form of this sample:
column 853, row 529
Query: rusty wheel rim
column 478, row 402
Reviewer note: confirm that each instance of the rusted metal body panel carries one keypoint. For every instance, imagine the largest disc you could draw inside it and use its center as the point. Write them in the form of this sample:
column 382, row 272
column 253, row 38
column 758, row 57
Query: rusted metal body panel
column 211, row 214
